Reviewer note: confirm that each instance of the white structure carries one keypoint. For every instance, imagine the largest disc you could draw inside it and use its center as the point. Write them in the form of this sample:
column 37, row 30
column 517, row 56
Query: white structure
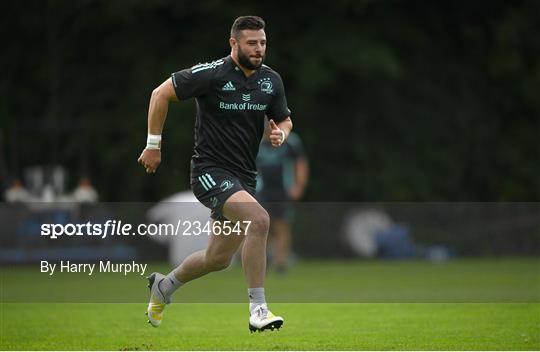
column 183, row 207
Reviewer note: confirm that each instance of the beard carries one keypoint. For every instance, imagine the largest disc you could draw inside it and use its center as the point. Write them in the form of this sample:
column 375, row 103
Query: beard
column 244, row 60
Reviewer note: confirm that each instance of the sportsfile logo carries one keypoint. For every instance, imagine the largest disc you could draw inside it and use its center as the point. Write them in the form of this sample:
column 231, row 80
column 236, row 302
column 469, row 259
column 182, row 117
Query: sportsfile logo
column 228, row 87
column 114, row 228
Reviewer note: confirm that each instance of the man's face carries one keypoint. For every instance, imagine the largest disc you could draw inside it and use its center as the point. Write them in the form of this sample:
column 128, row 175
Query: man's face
column 251, row 47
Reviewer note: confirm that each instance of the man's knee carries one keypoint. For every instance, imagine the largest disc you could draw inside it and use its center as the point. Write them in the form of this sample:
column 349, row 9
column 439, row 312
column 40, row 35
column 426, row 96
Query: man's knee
column 260, row 223
column 216, row 262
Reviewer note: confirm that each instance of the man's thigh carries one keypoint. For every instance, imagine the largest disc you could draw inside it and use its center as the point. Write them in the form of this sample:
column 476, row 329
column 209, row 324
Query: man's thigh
column 242, row 206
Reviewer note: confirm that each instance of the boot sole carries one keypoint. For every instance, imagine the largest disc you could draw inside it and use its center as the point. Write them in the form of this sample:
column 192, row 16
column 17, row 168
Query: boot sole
column 276, row 325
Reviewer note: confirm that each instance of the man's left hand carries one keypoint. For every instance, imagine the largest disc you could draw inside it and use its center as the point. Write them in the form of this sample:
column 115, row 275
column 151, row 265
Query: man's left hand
column 277, row 136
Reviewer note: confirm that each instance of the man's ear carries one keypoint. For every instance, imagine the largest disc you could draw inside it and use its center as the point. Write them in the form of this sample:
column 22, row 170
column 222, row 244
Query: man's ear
column 232, row 42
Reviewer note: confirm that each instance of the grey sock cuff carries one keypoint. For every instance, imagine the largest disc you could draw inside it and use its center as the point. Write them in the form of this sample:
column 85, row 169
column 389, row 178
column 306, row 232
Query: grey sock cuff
column 173, row 279
column 256, row 295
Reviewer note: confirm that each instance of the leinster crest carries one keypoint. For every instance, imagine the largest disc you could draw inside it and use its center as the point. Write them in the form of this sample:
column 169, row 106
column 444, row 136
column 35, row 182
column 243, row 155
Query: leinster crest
column 266, row 85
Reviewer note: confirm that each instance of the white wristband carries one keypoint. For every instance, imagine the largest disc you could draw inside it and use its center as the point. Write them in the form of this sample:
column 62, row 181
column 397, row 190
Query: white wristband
column 282, row 136
column 153, row 141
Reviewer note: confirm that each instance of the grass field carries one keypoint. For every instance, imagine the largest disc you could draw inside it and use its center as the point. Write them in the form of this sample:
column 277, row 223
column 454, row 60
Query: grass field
column 460, row 305
column 313, row 326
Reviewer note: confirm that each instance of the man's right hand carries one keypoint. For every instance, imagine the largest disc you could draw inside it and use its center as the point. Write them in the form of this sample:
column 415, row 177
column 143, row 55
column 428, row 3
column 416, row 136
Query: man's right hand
column 150, row 159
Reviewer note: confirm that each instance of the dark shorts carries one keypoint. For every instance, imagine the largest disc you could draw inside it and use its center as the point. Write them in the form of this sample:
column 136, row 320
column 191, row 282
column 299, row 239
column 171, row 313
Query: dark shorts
column 214, row 185
column 281, row 210
column 277, row 206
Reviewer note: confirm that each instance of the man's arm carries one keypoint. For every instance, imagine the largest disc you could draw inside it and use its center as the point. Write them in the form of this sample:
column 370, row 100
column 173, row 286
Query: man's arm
column 159, row 106
column 302, row 176
column 280, row 132
column 157, row 113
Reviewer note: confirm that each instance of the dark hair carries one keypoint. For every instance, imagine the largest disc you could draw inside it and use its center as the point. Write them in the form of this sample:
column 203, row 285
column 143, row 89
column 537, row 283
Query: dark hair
column 246, row 22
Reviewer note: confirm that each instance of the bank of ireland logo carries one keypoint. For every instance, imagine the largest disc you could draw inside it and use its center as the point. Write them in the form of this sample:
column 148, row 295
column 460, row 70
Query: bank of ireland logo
column 228, row 87
column 266, row 85
column 225, row 185
column 246, row 97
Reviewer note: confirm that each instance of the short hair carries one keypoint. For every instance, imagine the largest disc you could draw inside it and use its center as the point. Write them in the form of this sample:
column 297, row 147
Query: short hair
column 246, row 22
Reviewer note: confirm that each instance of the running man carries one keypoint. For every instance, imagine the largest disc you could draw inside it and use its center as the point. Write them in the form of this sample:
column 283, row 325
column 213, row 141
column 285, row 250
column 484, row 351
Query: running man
column 233, row 95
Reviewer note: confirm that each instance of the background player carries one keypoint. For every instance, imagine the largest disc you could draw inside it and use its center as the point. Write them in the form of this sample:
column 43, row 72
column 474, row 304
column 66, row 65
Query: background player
column 283, row 176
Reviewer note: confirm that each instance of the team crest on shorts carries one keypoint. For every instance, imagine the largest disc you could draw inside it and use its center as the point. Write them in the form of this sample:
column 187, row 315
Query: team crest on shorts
column 225, row 185
column 214, row 201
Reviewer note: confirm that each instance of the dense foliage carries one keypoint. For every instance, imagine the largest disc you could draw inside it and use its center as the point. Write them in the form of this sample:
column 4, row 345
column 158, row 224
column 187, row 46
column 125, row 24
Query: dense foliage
column 395, row 100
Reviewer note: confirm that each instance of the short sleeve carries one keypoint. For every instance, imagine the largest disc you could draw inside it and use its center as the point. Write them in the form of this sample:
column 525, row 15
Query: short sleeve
column 191, row 82
column 278, row 109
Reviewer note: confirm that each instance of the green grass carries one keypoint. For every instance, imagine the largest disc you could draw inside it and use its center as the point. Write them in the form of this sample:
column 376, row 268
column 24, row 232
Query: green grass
column 475, row 304
column 458, row 281
column 50, row 326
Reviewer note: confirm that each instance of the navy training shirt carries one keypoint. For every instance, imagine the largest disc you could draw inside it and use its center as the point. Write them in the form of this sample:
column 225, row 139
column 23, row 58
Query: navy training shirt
column 277, row 168
column 231, row 111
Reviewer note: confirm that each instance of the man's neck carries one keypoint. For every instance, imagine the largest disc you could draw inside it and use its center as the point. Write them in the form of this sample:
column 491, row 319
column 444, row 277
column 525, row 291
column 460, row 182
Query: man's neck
column 247, row 72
